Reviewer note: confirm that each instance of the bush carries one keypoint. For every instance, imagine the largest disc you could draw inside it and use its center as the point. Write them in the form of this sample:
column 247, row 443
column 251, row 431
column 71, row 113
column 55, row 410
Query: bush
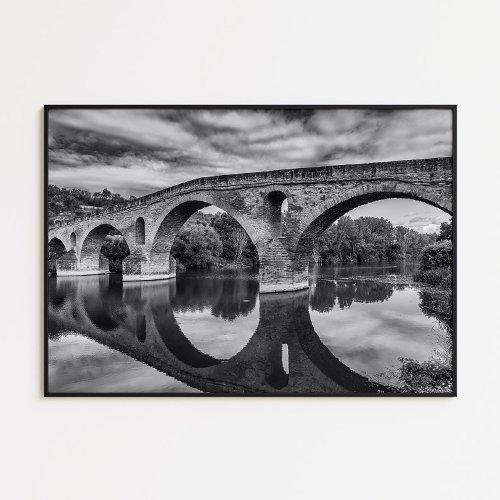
column 436, row 263
column 115, row 248
column 438, row 255
column 437, row 277
column 197, row 246
column 438, row 304
column 435, row 375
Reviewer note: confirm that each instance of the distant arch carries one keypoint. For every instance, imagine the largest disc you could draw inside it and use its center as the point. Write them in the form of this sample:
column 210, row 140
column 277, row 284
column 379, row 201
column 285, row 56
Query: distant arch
column 57, row 246
column 91, row 258
column 273, row 210
column 55, row 250
column 140, row 232
column 73, row 240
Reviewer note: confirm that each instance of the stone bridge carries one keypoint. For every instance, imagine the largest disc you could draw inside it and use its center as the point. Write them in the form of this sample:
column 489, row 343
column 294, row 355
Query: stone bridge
column 316, row 197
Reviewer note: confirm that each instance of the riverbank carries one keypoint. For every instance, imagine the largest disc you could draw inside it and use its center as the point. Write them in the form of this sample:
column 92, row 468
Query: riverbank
column 411, row 373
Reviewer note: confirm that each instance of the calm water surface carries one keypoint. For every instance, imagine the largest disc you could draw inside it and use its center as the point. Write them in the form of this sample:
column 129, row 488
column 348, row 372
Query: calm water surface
column 211, row 331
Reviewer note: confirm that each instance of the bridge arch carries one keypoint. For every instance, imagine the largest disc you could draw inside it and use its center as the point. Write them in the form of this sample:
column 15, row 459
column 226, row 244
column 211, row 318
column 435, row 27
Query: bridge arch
column 57, row 245
column 91, row 258
column 55, row 250
column 173, row 217
column 326, row 213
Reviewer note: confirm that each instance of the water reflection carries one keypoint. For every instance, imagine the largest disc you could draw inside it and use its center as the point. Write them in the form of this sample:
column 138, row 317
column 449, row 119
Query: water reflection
column 228, row 295
column 373, row 325
column 215, row 334
column 398, row 271
column 325, row 294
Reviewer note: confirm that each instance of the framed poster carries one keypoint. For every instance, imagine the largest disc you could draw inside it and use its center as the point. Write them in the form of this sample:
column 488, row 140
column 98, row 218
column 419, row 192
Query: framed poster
column 250, row 250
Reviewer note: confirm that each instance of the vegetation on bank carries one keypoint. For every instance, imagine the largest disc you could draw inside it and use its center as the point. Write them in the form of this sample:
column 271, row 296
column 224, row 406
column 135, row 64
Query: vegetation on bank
column 369, row 239
column 208, row 240
column 436, row 263
column 436, row 300
column 434, row 375
column 68, row 203
column 363, row 240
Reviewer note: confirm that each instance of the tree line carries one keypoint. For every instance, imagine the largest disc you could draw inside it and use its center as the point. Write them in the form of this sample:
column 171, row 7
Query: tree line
column 76, row 202
column 369, row 239
column 210, row 240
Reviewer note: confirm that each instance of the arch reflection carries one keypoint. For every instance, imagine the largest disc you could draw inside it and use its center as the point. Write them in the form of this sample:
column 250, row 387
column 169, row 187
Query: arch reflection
column 138, row 319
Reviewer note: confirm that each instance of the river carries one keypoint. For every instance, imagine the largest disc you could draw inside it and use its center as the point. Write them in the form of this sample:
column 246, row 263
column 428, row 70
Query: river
column 211, row 331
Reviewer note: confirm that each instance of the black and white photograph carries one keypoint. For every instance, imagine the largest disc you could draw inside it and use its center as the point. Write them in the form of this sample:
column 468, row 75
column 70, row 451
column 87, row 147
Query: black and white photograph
column 250, row 250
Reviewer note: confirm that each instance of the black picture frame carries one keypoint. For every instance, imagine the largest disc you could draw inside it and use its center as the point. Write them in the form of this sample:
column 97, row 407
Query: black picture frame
column 50, row 107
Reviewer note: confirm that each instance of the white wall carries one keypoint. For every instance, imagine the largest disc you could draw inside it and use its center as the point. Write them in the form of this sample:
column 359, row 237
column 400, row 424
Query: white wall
column 118, row 52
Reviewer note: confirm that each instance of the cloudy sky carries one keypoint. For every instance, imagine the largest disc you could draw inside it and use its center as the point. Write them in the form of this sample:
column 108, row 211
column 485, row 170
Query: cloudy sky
column 136, row 152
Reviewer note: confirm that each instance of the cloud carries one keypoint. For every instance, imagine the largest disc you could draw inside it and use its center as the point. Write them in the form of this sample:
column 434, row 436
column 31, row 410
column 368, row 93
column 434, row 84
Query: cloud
column 401, row 212
column 430, row 228
column 235, row 120
column 428, row 223
column 140, row 151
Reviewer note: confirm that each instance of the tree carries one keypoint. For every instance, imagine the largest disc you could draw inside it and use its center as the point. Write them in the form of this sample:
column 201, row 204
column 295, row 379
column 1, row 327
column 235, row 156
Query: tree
column 436, row 262
column 437, row 255
column 237, row 247
column 345, row 238
column 317, row 253
column 402, row 240
column 239, row 239
column 115, row 248
column 197, row 246
column 78, row 201
column 369, row 239
column 393, row 252
column 446, row 232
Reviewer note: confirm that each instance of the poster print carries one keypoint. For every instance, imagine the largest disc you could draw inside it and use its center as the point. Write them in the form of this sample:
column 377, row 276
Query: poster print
column 250, row 250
